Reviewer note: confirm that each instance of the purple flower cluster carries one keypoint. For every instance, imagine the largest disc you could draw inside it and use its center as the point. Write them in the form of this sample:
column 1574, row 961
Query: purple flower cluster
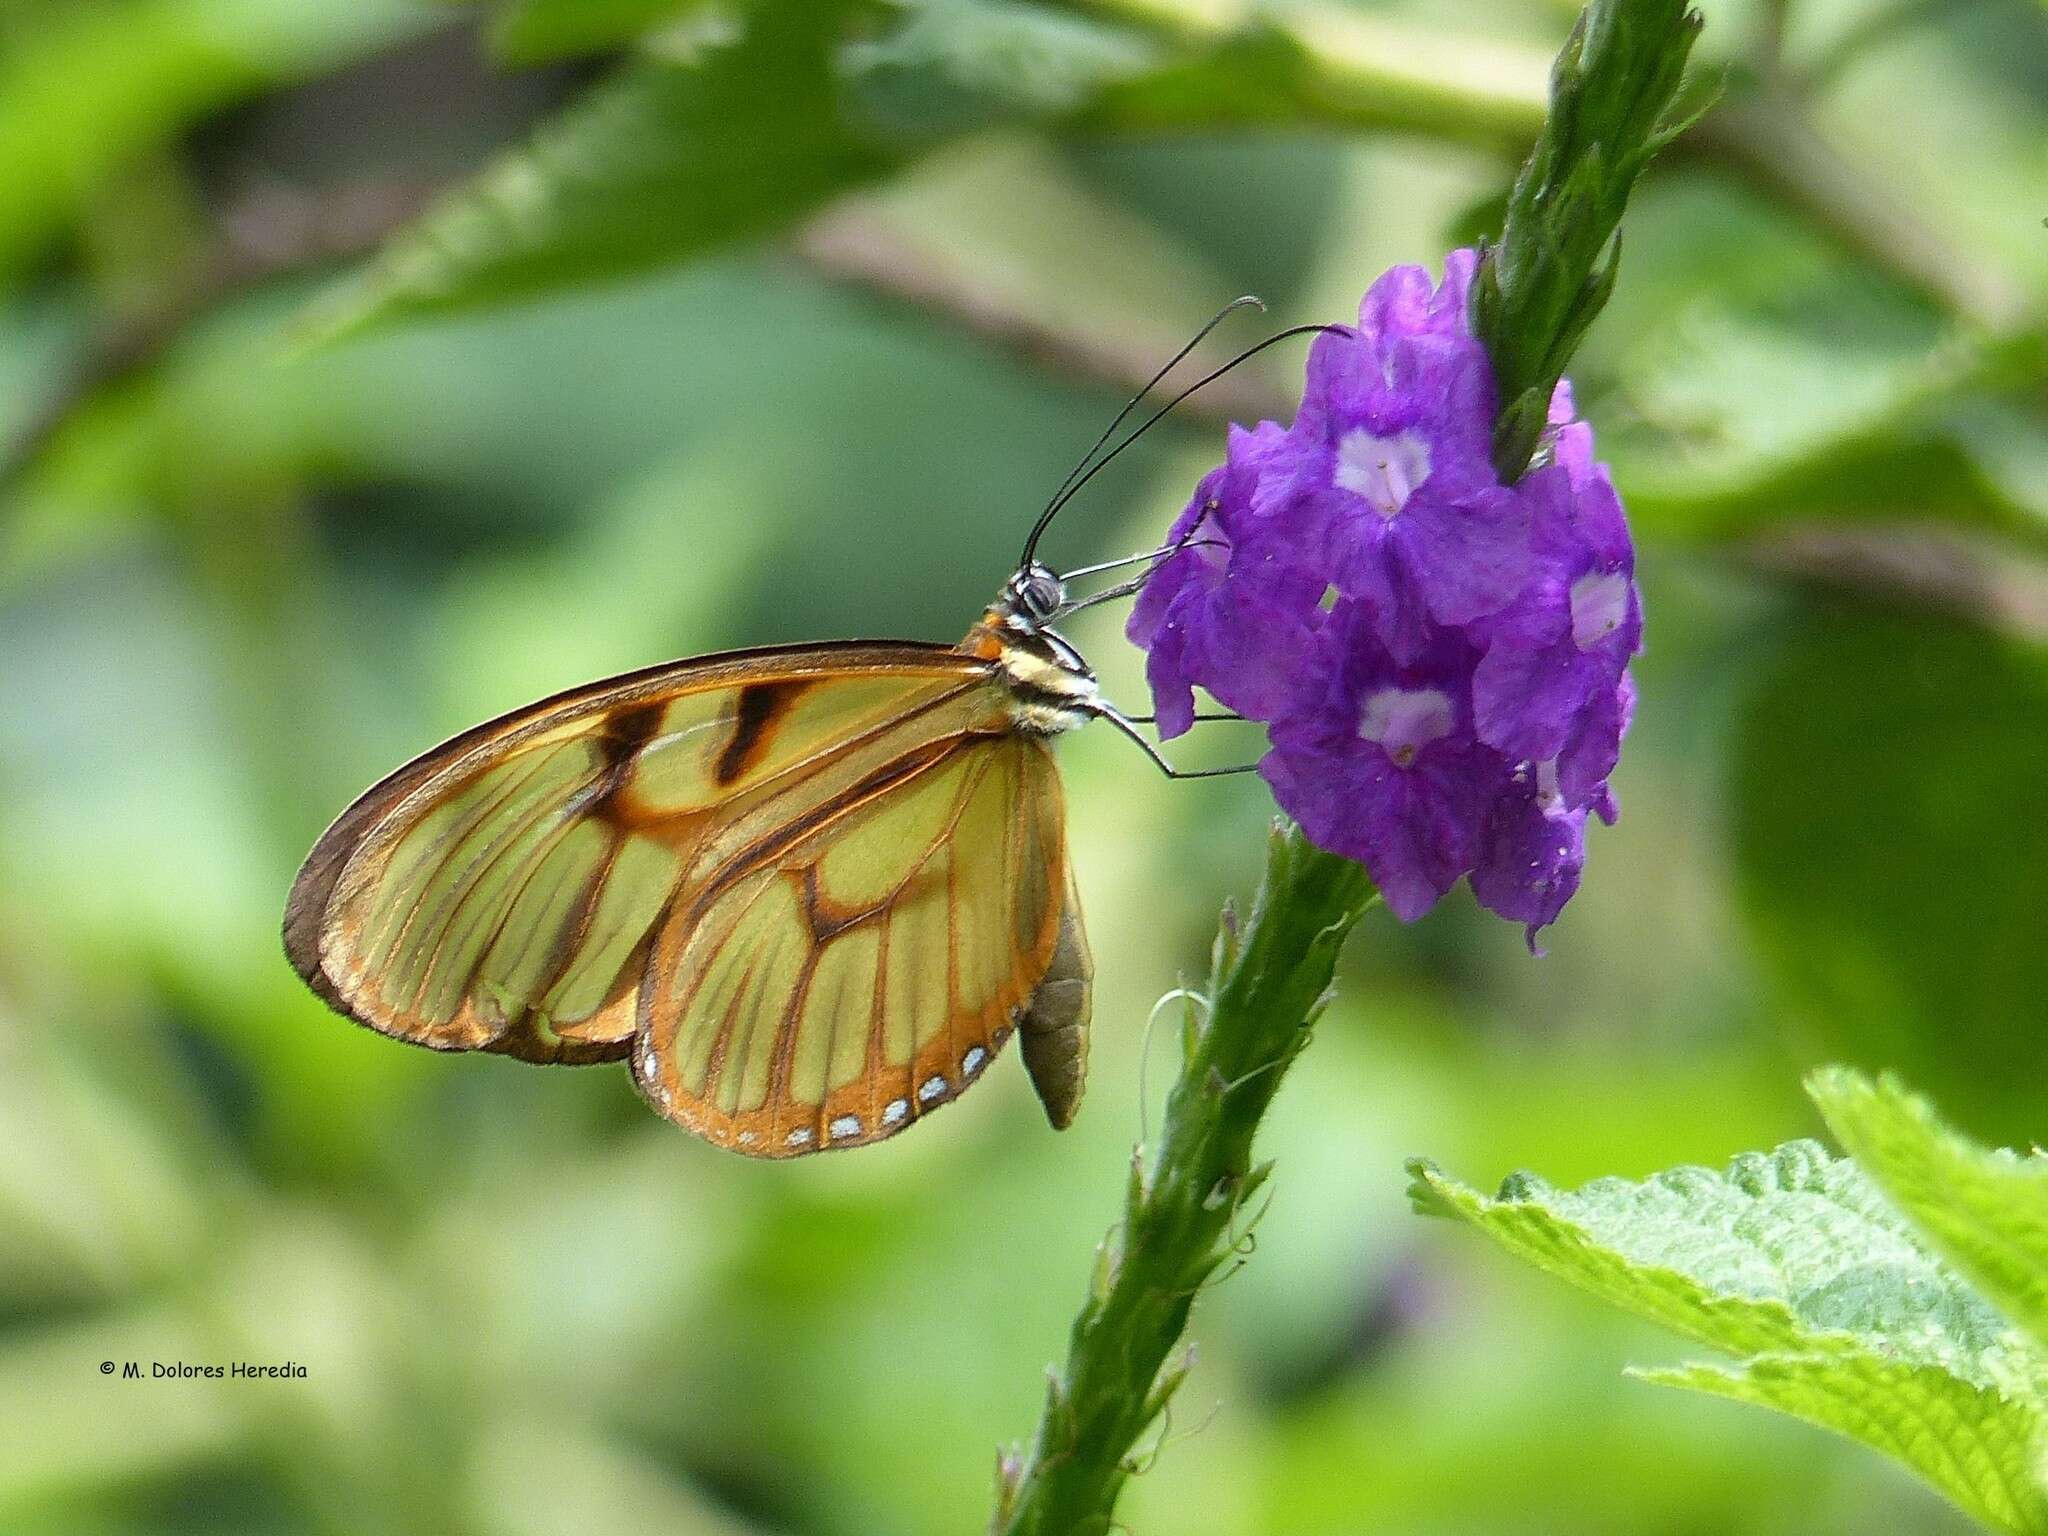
column 1441, row 660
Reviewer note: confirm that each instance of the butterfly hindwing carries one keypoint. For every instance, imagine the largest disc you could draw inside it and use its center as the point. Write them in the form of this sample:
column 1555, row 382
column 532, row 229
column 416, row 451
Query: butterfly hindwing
column 829, row 988
column 503, row 891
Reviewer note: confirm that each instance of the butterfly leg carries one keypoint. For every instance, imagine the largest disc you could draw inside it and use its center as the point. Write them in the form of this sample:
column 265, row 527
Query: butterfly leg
column 1129, row 588
column 1123, row 722
column 1147, row 556
column 1106, row 595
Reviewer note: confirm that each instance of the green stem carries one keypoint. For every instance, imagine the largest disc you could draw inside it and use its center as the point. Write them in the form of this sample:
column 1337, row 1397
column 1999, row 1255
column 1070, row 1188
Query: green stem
column 1183, row 1220
column 1611, row 99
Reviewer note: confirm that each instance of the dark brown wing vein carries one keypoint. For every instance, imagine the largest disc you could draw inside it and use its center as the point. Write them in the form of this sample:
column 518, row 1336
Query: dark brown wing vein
column 463, row 883
column 566, row 944
column 565, row 819
column 772, row 845
column 715, row 1059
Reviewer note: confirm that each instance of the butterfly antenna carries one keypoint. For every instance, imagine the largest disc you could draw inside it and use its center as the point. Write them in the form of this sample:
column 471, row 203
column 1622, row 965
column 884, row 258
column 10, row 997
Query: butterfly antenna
column 1160, row 415
column 1052, row 506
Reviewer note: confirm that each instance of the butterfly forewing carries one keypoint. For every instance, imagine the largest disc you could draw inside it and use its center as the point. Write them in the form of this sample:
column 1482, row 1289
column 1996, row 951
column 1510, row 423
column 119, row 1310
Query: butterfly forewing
column 501, row 891
column 826, row 989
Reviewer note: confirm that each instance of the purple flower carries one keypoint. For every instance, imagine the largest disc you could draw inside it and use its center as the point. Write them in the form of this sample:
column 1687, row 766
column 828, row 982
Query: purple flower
column 1567, row 638
column 1534, row 848
column 1390, row 458
column 1236, row 610
column 1459, row 706
column 1594, row 748
column 1384, row 768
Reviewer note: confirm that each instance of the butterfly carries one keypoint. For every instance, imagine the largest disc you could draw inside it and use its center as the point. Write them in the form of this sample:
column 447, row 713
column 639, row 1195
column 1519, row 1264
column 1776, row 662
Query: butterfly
column 808, row 892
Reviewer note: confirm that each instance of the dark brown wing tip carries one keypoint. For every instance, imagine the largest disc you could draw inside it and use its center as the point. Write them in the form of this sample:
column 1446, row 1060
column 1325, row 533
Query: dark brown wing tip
column 303, row 911
column 305, row 906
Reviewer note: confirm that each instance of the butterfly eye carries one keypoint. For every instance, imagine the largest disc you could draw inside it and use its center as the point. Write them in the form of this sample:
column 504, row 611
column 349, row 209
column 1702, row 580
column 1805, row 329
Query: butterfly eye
column 1041, row 593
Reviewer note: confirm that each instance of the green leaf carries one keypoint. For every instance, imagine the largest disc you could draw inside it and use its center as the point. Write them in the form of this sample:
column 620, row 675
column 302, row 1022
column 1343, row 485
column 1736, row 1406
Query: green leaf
column 1118, row 69
column 1744, row 376
column 1787, row 1252
column 1976, row 1446
column 1881, row 752
column 1836, row 398
column 724, row 138
column 956, row 65
column 734, row 121
column 1794, row 1259
column 1986, row 1210
column 1331, row 68
column 88, row 89
column 542, row 31
column 1318, row 66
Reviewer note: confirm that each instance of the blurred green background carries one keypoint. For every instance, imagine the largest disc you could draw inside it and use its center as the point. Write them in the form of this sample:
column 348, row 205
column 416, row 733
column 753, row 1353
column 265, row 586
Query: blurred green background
column 791, row 348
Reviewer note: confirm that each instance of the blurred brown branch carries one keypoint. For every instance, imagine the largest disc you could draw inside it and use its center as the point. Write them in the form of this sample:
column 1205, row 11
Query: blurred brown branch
column 1971, row 575
column 268, row 229
column 866, row 253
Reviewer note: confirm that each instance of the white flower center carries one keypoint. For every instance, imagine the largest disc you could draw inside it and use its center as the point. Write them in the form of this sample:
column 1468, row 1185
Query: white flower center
column 1405, row 720
column 1549, row 798
column 1384, row 470
column 1599, row 604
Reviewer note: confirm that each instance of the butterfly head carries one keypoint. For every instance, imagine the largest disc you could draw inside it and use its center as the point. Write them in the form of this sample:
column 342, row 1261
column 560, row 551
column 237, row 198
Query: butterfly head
column 1052, row 687
column 1033, row 597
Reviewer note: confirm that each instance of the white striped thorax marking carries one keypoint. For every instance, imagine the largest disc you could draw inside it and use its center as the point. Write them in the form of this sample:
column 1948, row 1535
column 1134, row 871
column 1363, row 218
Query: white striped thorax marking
column 1050, row 693
column 1051, row 686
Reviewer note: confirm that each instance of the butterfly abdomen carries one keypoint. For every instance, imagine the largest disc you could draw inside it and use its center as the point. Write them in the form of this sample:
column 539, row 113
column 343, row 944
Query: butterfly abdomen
column 1052, row 1027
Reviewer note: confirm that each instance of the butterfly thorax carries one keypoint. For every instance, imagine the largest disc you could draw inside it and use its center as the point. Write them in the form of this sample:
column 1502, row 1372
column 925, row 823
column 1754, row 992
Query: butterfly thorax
column 1051, row 688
